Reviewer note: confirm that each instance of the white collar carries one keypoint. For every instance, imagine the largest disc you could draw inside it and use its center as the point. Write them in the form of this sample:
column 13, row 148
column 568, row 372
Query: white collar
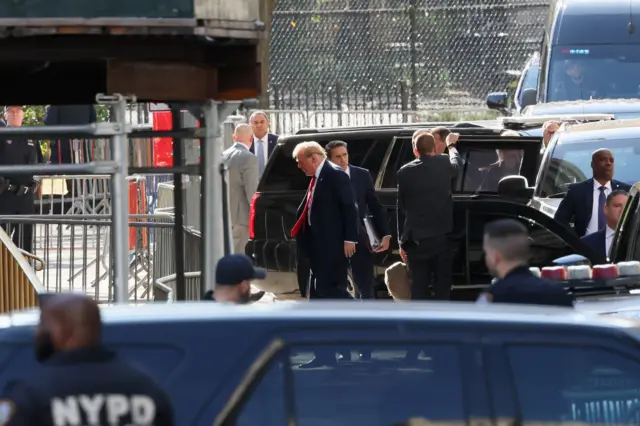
column 319, row 169
column 596, row 185
column 348, row 171
column 265, row 138
column 609, row 232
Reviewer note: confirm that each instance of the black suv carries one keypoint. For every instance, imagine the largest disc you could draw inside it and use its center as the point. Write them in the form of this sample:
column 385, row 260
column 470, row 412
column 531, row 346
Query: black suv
column 446, row 362
column 383, row 151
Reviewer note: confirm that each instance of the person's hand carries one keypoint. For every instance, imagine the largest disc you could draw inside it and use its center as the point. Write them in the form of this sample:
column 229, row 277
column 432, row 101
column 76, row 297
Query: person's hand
column 385, row 244
column 349, row 249
column 403, row 255
column 452, row 138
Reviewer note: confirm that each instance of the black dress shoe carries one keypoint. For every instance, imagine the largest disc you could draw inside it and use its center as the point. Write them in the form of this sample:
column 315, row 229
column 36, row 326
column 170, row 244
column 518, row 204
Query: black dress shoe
column 256, row 296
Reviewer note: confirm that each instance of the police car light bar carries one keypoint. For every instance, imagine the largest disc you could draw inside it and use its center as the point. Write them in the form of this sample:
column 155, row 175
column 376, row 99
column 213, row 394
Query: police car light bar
column 539, row 120
column 601, row 279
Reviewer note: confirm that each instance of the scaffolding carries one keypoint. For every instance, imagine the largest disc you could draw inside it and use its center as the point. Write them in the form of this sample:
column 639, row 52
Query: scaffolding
column 215, row 224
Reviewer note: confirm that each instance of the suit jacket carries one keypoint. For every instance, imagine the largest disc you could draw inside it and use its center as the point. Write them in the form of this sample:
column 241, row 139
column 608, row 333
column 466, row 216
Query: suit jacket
column 425, row 206
column 577, row 204
column 367, row 199
column 243, row 181
column 597, row 241
column 334, row 217
column 272, row 140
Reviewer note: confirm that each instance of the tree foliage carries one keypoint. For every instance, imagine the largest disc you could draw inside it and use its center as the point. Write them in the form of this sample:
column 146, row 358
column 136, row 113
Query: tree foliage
column 34, row 114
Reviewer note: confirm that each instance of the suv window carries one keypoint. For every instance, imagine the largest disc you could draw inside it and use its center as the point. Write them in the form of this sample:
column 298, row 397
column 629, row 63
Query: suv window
column 284, row 174
column 399, row 382
column 475, row 176
column 571, row 162
column 574, row 384
column 545, row 245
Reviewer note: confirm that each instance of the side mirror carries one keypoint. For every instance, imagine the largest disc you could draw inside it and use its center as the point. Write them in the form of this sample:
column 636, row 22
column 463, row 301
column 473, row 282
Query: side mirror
column 529, row 97
column 514, row 187
column 497, row 101
column 571, row 260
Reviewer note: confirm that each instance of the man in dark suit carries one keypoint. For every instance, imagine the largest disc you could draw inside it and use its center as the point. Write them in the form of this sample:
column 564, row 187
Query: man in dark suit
column 368, row 204
column 263, row 142
column 506, row 247
column 327, row 225
column 425, row 216
column 601, row 240
column 584, row 201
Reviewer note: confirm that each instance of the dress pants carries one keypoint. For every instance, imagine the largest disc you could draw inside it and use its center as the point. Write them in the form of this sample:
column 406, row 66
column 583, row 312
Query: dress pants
column 430, row 263
column 362, row 271
column 240, row 234
column 328, row 271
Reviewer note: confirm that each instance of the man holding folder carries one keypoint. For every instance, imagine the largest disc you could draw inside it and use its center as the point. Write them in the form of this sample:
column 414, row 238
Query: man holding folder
column 375, row 235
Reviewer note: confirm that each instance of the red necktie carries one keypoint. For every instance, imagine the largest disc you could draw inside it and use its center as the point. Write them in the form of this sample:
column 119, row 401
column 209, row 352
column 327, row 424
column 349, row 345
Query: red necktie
column 303, row 217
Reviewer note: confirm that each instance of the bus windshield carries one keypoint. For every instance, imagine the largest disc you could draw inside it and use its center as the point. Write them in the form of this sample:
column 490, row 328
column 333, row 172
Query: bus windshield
column 571, row 163
column 594, row 72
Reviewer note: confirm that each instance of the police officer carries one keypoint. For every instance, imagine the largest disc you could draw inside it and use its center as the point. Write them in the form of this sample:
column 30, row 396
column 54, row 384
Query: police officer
column 17, row 192
column 81, row 382
column 506, row 253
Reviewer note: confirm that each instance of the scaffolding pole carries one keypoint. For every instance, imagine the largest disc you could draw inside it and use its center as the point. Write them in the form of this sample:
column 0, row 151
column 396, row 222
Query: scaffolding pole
column 213, row 208
column 120, row 199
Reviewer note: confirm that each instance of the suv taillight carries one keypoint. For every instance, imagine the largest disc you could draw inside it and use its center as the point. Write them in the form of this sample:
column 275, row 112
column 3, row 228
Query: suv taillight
column 252, row 216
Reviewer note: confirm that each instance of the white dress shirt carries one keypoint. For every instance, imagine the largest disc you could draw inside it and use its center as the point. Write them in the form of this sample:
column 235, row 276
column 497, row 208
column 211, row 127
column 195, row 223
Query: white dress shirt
column 595, row 208
column 265, row 147
column 608, row 240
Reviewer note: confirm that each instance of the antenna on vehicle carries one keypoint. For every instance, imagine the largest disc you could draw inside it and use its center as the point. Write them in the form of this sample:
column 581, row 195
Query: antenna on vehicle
column 630, row 27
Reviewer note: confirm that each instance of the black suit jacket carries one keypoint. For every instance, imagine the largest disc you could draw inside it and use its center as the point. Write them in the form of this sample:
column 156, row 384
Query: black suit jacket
column 367, row 199
column 334, row 217
column 425, row 206
column 577, row 204
column 272, row 140
column 597, row 241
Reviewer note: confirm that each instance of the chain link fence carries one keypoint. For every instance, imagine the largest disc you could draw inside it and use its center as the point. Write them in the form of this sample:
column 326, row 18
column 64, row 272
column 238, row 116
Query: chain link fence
column 399, row 54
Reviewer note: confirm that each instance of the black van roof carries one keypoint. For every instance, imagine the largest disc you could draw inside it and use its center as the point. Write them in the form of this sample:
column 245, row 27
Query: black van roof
column 574, row 23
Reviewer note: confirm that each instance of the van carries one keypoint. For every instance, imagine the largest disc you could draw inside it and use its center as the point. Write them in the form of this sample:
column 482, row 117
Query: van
column 590, row 50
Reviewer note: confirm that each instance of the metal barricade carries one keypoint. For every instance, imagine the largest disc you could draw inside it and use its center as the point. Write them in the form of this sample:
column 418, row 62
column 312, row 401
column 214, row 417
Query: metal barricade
column 19, row 285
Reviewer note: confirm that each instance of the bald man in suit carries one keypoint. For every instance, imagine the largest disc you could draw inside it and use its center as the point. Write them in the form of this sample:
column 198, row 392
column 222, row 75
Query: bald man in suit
column 243, row 183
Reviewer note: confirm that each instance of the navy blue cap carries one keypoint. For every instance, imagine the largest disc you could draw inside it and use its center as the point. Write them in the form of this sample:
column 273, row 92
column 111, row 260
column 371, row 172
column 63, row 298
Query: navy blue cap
column 235, row 268
column 6, row 108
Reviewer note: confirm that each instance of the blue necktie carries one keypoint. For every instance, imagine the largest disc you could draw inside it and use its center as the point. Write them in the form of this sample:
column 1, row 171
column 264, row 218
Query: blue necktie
column 602, row 199
column 260, row 154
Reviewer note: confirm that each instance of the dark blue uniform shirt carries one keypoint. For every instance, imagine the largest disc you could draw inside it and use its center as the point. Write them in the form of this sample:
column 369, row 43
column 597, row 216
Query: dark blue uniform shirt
column 86, row 387
column 521, row 286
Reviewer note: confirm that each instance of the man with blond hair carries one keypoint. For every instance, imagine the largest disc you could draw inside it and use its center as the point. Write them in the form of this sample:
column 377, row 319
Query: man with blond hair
column 243, row 183
column 327, row 222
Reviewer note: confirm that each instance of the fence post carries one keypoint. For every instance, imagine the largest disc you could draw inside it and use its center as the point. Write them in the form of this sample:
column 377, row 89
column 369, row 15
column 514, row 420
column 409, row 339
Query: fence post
column 414, row 54
column 404, row 99
column 339, row 101
column 276, row 97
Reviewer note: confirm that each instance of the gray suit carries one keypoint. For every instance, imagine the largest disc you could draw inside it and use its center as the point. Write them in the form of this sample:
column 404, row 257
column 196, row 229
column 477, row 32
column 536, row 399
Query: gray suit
column 243, row 183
